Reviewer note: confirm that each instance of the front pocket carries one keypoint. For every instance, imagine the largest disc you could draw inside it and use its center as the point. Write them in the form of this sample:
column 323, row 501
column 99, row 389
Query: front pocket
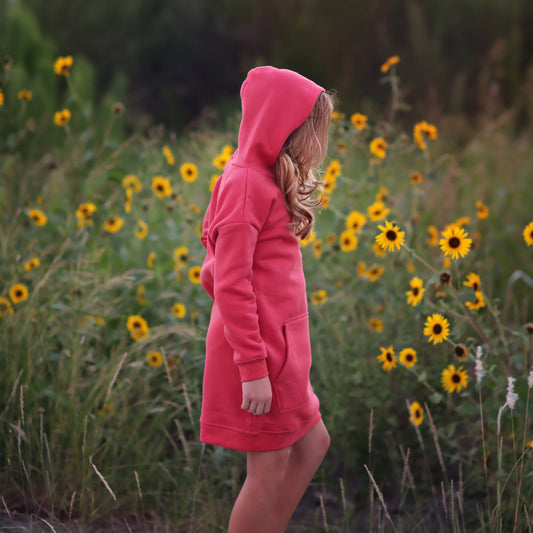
column 292, row 385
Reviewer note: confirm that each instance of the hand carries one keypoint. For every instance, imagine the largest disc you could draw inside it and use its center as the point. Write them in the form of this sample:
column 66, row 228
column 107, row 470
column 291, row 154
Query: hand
column 257, row 396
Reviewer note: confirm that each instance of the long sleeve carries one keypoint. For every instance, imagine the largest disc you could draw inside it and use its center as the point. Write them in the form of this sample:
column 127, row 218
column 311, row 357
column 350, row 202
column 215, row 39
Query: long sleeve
column 236, row 299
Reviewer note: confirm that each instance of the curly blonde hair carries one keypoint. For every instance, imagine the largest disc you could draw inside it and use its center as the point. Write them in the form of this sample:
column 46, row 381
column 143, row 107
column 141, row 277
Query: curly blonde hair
column 295, row 168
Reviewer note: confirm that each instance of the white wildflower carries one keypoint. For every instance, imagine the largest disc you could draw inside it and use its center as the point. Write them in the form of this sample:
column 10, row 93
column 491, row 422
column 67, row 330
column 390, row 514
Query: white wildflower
column 530, row 379
column 511, row 397
column 480, row 371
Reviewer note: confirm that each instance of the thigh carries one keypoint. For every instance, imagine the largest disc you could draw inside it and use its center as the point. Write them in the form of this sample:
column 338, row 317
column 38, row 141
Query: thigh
column 267, row 464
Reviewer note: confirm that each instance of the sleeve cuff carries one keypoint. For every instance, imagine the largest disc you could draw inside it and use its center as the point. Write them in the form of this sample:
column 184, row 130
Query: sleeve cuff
column 256, row 369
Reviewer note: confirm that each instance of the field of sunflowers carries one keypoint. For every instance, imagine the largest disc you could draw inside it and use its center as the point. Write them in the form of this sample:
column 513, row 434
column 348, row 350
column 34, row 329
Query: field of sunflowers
column 420, row 284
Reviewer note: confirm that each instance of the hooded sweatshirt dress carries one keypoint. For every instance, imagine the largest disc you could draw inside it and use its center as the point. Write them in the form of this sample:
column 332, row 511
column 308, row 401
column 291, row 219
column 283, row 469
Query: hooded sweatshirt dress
column 253, row 271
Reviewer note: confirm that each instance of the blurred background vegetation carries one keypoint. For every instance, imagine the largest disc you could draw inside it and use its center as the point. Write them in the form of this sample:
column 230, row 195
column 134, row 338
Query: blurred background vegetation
column 175, row 59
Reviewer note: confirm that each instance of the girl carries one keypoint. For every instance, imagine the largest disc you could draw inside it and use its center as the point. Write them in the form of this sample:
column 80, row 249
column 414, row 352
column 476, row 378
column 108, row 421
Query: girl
column 257, row 396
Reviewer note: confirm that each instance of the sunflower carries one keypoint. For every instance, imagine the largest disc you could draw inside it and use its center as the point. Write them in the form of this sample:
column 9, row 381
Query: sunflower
column 393, row 60
column 61, row 118
column 150, row 260
column 319, row 297
column 179, row 310
column 433, row 239
column 212, row 183
column 374, row 272
column 423, row 130
column 378, row 250
column 390, row 237
column 84, row 213
column 409, row 265
column 318, row 248
column 169, row 156
column 18, row 293
column 408, row 357
column 138, row 327
column 113, row 224
column 359, row 121
column 348, row 241
column 528, row 234
column 5, row 307
column 141, row 230
column 221, row 160
column 478, row 303
column 378, row 147
column 414, row 295
column 32, row 264
column 482, row 210
column 336, row 115
column 127, row 203
column 375, row 324
column 416, row 178
column 460, row 352
column 62, row 65
column 181, row 255
column 154, row 359
column 333, row 170
column 388, row 358
column 139, row 295
column 131, row 181
column 473, row 280
column 161, row 186
column 24, row 95
column 453, row 380
column 382, row 195
column 416, row 414
column 437, row 328
column 377, row 211
column 460, row 222
column 2, row 98
column 194, row 274
column 455, row 242
column 38, row 217
column 189, row 172
column 355, row 221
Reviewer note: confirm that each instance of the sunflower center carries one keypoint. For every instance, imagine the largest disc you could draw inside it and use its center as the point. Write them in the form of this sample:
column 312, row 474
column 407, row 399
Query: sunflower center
column 531, row 234
column 136, row 325
column 475, row 286
column 437, row 329
column 18, row 293
column 160, row 187
column 388, row 355
column 409, row 357
column 418, row 414
column 454, row 242
column 459, row 351
column 415, row 291
column 456, row 378
column 391, row 235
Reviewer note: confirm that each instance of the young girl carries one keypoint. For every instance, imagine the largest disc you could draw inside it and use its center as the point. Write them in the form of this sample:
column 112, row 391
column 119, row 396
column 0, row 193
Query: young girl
column 257, row 397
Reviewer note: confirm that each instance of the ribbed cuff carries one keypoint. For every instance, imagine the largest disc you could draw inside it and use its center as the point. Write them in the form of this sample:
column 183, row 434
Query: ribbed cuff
column 255, row 369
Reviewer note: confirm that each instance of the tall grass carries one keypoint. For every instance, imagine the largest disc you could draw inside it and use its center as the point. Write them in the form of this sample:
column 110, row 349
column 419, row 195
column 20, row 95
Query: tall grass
column 96, row 429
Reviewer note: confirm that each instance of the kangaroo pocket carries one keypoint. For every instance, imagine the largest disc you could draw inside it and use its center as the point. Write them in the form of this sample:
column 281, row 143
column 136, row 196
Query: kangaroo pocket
column 292, row 386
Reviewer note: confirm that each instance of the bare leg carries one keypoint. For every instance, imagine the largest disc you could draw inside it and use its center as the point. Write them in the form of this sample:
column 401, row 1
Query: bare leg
column 305, row 457
column 253, row 509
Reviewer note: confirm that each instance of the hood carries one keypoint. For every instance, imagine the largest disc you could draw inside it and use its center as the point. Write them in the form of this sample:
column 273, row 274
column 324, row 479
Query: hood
column 274, row 103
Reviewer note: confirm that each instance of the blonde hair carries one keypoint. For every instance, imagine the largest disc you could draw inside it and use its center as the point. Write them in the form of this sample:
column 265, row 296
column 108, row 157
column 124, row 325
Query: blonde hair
column 295, row 172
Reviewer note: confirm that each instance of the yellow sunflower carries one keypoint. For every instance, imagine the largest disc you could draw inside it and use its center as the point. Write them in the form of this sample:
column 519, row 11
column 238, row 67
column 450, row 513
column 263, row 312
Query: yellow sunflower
column 414, row 295
column 38, row 217
column 378, row 147
column 388, row 358
column 416, row 414
column 333, row 170
column 455, row 242
column 169, row 156
column 377, row 211
column 179, row 310
column 132, row 182
column 393, row 60
column 359, row 121
column 221, row 160
column 453, row 380
column 308, row 240
column 473, row 280
column 528, row 234
column 318, row 248
column 194, row 274
column 181, row 255
column 478, row 303
column 18, row 293
column 382, row 195
column 141, row 230
column 85, row 212
column 24, row 95
column 319, row 297
column 138, row 327
column 390, row 237
column 161, row 186
column 348, row 241
column 416, row 178
column 482, row 210
column 2, row 98
column 437, row 328
column 113, row 224
column 62, row 65
column 150, row 260
column 32, row 264
column 189, row 172
column 433, row 239
column 154, row 359
column 374, row 272
column 375, row 324
column 460, row 352
column 355, row 221
column 408, row 357
column 423, row 130
column 212, row 183
column 62, row 118
column 5, row 307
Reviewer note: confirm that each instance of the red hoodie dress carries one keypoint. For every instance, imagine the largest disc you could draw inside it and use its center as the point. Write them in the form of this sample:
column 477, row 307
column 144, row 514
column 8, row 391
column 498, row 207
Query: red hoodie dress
column 253, row 271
